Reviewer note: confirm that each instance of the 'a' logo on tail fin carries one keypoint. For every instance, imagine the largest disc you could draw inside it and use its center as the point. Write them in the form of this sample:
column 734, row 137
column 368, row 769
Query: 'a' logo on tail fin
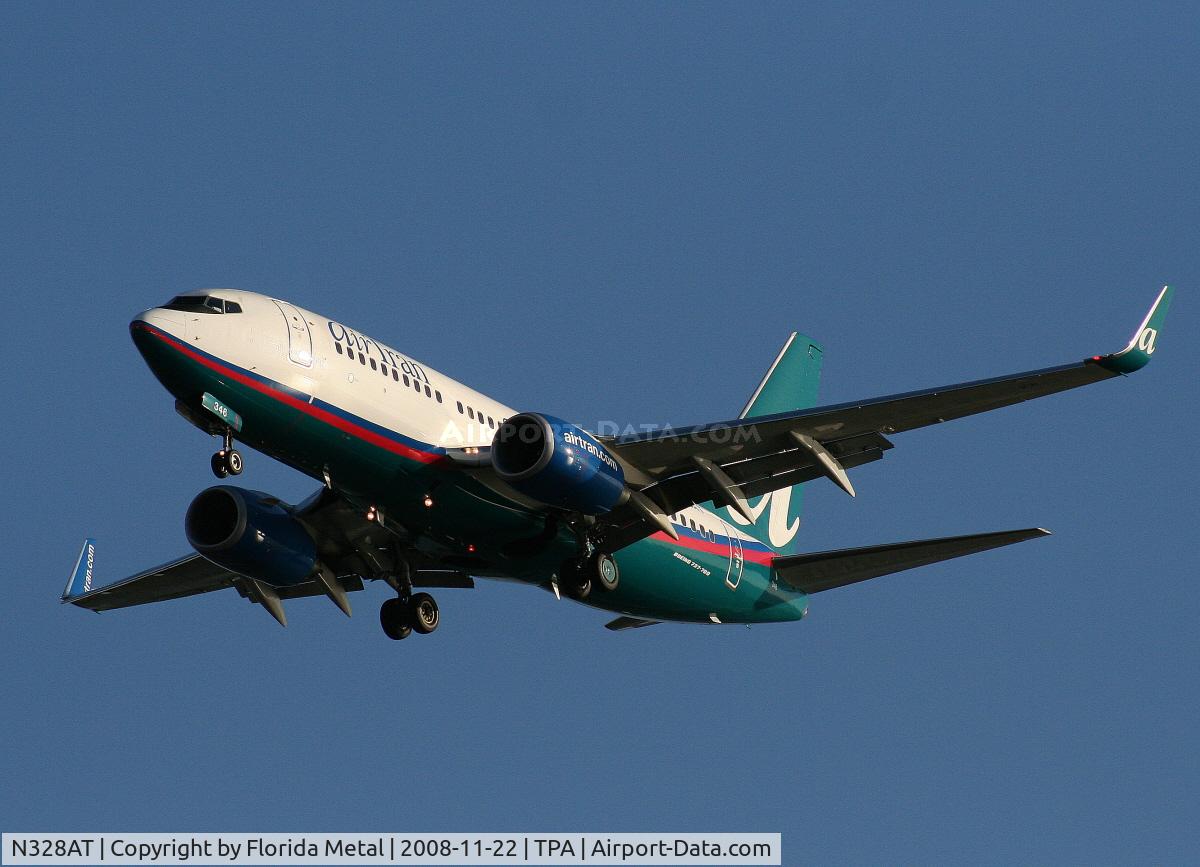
column 779, row 502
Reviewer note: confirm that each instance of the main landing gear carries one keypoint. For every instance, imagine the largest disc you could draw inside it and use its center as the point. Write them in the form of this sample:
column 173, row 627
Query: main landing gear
column 599, row 570
column 227, row 462
column 399, row 617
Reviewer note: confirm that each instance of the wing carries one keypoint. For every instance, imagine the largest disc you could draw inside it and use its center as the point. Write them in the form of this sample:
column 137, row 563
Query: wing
column 186, row 576
column 825, row 570
column 350, row 548
column 729, row 461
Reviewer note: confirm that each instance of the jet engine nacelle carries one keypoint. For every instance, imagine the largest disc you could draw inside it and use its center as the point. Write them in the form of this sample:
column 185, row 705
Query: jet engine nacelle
column 252, row 534
column 558, row 464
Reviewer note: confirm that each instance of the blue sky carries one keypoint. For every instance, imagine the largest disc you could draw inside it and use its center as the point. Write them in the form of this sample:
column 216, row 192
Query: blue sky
column 617, row 212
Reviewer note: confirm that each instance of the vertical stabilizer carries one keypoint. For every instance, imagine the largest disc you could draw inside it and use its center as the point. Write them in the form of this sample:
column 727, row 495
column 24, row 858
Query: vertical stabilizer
column 791, row 381
column 790, row 384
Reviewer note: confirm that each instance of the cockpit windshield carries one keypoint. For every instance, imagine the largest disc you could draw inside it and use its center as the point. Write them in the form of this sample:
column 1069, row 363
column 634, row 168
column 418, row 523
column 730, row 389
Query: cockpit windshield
column 202, row 304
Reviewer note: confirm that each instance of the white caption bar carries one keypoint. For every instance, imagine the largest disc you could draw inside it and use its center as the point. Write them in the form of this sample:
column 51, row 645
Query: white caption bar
column 468, row 848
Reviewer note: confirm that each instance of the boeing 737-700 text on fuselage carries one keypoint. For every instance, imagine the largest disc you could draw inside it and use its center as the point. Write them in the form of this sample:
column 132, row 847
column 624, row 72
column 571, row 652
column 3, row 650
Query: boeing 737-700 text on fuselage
column 427, row 483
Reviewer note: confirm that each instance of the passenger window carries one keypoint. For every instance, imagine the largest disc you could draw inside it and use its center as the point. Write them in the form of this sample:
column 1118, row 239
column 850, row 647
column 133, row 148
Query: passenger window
column 470, row 414
column 417, row 386
column 438, row 396
column 491, row 421
column 362, row 359
column 372, row 364
column 406, row 380
column 338, row 347
column 395, row 376
column 691, row 523
column 428, row 393
column 460, row 407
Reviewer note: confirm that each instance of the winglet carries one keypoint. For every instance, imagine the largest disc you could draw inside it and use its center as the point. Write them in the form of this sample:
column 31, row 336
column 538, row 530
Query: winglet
column 81, row 578
column 1137, row 354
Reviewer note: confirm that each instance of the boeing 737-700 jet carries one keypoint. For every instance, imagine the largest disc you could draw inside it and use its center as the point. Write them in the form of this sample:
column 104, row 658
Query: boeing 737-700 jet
column 427, row 483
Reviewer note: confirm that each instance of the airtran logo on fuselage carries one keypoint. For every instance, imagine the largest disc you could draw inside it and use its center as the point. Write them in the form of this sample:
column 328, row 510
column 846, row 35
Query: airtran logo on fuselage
column 779, row 532
column 576, row 441
column 353, row 342
column 87, row 573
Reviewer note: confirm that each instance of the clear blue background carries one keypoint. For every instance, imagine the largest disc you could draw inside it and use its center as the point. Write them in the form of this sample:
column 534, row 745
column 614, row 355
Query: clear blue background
column 617, row 212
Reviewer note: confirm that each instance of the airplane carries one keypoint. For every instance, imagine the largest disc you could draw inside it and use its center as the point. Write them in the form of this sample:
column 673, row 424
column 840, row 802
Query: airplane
column 426, row 483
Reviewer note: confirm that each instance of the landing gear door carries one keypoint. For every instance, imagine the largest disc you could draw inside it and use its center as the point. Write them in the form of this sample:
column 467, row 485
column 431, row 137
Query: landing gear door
column 736, row 558
column 300, row 347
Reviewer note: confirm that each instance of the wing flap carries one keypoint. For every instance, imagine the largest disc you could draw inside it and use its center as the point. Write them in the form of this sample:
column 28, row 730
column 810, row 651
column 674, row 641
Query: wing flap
column 809, row 472
column 348, row 583
column 754, row 477
column 452, row 578
column 825, row 570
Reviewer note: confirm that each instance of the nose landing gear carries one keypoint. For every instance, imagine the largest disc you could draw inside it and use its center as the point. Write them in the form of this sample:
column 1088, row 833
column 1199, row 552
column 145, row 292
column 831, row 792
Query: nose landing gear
column 227, row 462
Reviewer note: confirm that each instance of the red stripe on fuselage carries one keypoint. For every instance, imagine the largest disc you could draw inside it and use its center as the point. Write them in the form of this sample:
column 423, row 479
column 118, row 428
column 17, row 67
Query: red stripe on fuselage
column 720, row 549
column 295, row 403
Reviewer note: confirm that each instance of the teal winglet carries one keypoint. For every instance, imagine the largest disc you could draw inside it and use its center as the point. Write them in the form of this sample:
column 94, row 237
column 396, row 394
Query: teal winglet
column 1137, row 354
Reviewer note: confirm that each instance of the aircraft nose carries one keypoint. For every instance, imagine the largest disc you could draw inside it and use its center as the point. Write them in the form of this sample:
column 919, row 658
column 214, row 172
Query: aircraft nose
column 156, row 320
column 156, row 317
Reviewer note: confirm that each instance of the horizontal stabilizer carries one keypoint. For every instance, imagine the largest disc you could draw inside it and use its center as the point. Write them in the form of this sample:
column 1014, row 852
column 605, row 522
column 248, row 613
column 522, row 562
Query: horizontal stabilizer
column 812, row 573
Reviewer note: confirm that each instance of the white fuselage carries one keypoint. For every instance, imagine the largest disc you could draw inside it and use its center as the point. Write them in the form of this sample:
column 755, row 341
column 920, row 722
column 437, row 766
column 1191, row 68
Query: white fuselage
column 320, row 357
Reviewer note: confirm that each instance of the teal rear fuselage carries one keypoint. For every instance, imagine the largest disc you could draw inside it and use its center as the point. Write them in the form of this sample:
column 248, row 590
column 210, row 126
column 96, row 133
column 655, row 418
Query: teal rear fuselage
column 707, row 575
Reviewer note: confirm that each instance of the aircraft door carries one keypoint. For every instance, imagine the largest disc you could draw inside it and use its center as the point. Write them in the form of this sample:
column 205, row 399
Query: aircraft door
column 733, row 577
column 300, row 346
